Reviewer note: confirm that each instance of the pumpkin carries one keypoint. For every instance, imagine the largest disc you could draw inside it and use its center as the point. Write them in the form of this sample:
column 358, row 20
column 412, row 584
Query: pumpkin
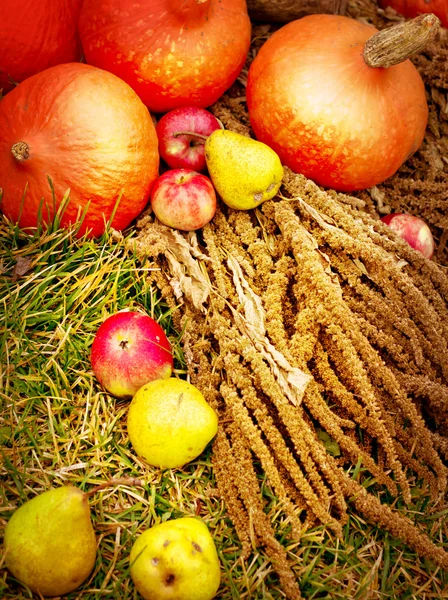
column 173, row 53
column 330, row 115
column 87, row 131
column 412, row 8
column 35, row 36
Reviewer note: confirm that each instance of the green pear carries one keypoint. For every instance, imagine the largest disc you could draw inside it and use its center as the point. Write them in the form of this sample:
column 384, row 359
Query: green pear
column 170, row 423
column 176, row 560
column 245, row 172
column 49, row 542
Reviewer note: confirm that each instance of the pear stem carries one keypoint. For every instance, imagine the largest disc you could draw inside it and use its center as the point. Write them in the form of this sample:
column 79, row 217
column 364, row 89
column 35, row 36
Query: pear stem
column 132, row 481
column 396, row 44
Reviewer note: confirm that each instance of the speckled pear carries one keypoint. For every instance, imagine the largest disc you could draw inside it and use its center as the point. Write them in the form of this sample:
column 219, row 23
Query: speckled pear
column 176, row 560
column 244, row 171
column 50, row 543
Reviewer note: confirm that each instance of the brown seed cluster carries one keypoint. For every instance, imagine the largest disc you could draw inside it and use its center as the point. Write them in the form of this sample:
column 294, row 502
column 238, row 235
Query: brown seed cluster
column 308, row 316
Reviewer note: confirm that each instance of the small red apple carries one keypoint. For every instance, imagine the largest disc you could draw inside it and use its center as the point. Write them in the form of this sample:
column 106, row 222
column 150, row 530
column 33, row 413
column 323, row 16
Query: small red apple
column 183, row 199
column 412, row 229
column 129, row 350
column 182, row 133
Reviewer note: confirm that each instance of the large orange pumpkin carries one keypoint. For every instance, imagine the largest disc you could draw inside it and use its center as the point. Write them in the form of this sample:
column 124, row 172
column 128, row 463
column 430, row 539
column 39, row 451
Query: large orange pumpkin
column 173, row 53
column 35, row 36
column 329, row 115
column 87, row 131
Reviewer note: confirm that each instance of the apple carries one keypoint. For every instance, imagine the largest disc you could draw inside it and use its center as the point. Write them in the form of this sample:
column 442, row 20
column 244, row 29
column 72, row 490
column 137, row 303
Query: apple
column 412, row 229
column 182, row 133
column 176, row 559
column 129, row 350
column 183, row 199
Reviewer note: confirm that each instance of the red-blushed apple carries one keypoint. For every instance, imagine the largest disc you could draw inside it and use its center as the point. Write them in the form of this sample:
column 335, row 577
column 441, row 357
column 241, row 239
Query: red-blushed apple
column 129, row 350
column 183, row 199
column 412, row 229
column 182, row 133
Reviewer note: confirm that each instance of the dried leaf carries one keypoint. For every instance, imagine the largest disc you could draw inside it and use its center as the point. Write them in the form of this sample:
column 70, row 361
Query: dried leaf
column 196, row 289
column 183, row 256
column 22, row 266
column 324, row 221
column 326, row 263
column 253, row 307
column 292, row 381
column 194, row 247
column 361, row 266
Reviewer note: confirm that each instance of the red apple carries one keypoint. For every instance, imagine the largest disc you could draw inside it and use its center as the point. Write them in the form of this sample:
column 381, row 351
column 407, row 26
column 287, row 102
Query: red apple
column 412, row 229
column 183, row 199
column 182, row 133
column 129, row 350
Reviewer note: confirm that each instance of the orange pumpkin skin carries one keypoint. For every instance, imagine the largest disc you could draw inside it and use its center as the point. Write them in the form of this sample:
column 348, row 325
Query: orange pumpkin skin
column 35, row 36
column 173, row 53
column 313, row 99
column 413, row 8
column 89, row 132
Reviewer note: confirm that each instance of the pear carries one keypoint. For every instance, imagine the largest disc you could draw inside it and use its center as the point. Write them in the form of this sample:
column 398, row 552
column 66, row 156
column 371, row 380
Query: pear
column 50, row 543
column 170, row 423
column 176, row 559
column 245, row 172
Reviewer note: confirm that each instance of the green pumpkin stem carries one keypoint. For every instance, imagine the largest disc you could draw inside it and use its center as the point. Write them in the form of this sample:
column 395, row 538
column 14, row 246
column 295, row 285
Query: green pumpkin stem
column 396, row 44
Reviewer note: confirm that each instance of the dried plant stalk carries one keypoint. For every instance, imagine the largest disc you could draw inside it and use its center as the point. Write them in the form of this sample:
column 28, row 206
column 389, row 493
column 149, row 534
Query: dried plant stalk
column 308, row 316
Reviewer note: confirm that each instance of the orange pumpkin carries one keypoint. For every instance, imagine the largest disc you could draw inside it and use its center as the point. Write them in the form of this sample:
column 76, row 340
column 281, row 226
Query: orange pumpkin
column 413, row 8
column 35, row 36
column 87, row 131
column 329, row 115
column 173, row 53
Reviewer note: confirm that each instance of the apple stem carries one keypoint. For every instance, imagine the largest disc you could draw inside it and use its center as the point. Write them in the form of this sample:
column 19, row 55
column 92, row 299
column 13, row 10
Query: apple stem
column 193, row 134
column 132, row 481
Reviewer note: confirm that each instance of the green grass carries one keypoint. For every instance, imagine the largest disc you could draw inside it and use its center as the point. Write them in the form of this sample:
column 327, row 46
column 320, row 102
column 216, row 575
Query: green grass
column 58, row 426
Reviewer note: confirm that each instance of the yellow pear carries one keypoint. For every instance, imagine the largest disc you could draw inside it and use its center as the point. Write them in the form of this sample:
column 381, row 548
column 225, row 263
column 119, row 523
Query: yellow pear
column 177, row 560
column 245, row 172
column 170, row 423
column 50, row 543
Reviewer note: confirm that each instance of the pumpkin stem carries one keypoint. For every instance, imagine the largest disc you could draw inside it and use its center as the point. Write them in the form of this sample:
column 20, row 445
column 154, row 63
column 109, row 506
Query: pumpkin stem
column 395, row 44
column 20, row 151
